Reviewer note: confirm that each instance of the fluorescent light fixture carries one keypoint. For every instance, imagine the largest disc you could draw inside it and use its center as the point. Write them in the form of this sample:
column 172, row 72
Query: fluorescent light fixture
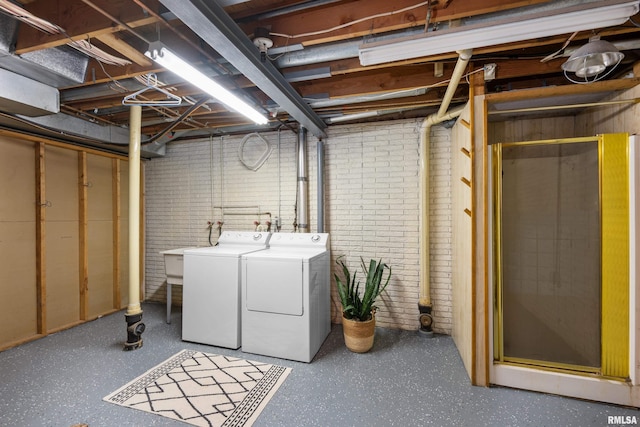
column 581, row 17
column 163, row 56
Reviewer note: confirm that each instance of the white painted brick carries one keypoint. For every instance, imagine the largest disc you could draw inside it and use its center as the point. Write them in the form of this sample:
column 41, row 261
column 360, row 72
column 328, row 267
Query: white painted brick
column 373, row 205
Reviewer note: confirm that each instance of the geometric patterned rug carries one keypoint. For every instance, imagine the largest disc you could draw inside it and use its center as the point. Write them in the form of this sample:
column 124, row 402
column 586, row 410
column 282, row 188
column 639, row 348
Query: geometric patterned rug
column 204, row 389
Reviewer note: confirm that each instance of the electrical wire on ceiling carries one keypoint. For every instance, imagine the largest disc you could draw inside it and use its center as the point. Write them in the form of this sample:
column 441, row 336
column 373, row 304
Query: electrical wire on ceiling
column 45, row 26
column 94, row 52
column 560, row 51
column 28, row 18
column 350, row 23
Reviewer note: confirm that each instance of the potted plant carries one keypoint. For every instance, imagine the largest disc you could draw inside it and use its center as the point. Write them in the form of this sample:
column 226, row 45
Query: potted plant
column 358, row 307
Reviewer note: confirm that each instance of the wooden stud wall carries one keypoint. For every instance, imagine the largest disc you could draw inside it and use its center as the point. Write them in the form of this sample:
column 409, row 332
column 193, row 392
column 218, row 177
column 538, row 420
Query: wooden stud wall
column 124, row 235
column 61, row 241
column 63, row 236
column 461, row 191
column 99, row 235
column 19, row 314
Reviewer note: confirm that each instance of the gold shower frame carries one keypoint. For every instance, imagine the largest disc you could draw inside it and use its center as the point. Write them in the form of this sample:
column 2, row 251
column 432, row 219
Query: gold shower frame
column 613, row 158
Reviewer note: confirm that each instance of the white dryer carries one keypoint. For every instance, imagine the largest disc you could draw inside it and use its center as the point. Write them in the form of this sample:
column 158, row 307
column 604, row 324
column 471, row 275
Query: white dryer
column 211, row 288
column 286, row 309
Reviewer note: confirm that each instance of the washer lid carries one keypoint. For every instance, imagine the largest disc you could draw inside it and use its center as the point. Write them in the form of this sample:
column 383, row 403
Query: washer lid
column 303, row 254
column 234, row 243
column 224, row 250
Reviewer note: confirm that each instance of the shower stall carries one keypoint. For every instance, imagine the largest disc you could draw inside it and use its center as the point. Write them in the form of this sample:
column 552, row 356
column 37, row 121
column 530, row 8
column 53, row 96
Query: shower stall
column 561, row 265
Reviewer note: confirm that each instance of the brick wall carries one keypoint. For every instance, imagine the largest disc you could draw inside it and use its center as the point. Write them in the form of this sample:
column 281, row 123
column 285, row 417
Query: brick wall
column 371, row 210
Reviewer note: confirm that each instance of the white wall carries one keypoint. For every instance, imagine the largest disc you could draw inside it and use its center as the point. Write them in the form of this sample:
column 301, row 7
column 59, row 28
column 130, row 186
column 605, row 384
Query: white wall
column 372, row 205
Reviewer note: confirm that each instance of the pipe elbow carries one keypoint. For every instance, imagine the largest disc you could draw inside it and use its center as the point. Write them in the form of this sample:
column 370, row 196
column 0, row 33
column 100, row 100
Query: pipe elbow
column 465, row 54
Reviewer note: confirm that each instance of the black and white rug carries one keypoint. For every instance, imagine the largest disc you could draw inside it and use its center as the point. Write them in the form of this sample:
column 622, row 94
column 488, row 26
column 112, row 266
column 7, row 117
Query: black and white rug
column 204, row 389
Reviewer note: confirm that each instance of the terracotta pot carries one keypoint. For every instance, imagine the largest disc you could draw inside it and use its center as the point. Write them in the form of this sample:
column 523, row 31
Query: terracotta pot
column 358, row 336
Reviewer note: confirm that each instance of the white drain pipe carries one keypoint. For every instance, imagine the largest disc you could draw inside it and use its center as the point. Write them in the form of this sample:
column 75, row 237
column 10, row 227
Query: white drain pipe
column 424, row 305
column 133, row 315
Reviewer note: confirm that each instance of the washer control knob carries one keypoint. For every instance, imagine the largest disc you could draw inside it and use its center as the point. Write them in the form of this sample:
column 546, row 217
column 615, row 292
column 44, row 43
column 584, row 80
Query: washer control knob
column 315, row 238
column 257, row 236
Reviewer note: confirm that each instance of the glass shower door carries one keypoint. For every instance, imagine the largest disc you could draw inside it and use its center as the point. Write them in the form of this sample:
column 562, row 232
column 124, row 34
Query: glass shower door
column 550, row 252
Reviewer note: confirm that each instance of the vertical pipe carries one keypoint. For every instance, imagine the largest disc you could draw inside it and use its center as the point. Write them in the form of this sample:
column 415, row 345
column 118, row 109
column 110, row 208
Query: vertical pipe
column 424, row 304
column 303, row 183
column 134, row 214
column 133, row 315
column 320, row 185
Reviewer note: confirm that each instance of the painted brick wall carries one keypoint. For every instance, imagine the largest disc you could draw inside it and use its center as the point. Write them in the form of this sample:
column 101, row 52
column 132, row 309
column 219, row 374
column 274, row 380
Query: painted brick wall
column 372, row 204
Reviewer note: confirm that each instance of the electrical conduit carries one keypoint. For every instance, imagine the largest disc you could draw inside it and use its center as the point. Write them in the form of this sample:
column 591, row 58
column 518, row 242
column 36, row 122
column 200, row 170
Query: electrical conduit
column 302, row 219
column 424, row 305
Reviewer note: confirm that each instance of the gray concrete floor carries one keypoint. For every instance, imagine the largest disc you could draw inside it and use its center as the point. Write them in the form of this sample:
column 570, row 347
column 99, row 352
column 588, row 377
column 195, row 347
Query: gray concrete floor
column 406, row 380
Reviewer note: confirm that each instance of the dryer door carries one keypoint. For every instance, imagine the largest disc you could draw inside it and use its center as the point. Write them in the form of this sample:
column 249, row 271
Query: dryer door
column 274, row 285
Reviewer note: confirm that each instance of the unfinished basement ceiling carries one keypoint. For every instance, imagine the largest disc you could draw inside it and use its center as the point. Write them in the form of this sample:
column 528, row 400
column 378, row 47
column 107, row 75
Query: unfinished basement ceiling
column 314, row 54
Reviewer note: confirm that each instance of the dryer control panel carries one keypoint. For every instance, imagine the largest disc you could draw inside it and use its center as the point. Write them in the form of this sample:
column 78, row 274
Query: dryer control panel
column 244, row 238
column 303, row 240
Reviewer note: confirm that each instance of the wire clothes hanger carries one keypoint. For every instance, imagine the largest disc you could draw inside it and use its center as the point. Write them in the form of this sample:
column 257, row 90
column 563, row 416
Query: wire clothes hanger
column 171, row 100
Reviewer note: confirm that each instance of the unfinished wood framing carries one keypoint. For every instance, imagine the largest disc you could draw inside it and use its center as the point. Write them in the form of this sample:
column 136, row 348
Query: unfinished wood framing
column 41, row 250
column 116, row 198
column 99, row 235
column 62, row 215
column 82, row 231
column 461, row 292
column 62, row 238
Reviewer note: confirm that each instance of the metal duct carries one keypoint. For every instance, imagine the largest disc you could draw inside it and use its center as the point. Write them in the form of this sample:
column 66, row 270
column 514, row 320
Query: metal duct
column 21, row 95
column 58, row 67
column 335, row 51
column 302, row 217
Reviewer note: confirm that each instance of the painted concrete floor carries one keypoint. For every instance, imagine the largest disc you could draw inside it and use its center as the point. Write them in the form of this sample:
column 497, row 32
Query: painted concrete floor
column 406, row 380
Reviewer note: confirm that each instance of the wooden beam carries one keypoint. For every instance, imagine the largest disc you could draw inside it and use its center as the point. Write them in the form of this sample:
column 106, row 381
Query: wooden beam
column 41, row 247
column 116, row 195
column 602, row 86
column 79, row 21
column 38, row 139
column 119, row 45
column 83, row 232
column 319, row 19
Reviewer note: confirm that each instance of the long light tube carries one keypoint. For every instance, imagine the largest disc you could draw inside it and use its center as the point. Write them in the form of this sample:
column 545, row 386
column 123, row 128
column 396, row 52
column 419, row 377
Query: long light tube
column 524, row 27
column 167, row 59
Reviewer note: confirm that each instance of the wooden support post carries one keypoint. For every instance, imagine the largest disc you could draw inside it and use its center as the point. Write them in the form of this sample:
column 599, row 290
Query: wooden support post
column 115, row 169
column 82, row 234
column 41, row 249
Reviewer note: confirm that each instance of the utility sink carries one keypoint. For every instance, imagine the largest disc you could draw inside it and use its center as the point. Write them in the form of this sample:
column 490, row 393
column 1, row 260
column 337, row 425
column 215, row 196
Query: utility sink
column 174, row 269
column 174, row 265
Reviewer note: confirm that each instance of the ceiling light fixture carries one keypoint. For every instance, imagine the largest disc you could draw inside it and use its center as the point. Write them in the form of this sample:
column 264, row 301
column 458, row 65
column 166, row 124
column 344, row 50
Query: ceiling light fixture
column 163, row 56
column 592, row 62
column 545, row 23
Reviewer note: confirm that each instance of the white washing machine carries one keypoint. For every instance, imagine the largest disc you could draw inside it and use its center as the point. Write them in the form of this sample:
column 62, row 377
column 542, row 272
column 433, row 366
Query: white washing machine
column 211, row 288
column 286, row 309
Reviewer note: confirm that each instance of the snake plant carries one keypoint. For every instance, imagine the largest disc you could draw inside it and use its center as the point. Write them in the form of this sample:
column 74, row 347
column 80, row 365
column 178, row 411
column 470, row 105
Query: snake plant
column 354, row 305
